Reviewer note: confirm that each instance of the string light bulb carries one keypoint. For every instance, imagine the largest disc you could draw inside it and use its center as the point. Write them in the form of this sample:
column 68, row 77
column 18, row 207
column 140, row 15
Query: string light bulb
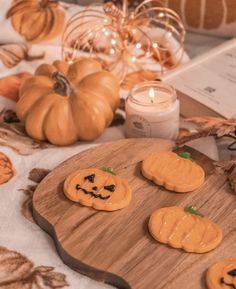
column 126, row 41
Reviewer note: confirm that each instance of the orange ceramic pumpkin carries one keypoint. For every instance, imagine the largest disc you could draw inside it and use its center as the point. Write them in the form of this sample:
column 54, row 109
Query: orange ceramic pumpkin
column 64, row 103
column 37, row 20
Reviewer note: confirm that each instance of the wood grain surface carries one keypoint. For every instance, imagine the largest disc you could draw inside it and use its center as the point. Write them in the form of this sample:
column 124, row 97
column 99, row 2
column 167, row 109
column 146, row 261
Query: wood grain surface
column 116, row 247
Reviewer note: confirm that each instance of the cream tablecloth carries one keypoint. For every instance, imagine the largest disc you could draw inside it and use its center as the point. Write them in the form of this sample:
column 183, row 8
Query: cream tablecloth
column 19, row 234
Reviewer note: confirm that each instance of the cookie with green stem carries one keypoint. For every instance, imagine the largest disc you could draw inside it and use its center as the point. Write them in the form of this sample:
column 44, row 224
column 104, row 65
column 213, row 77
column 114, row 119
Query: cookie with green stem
column 184, row 228
column 100, row 189
column 175, row 172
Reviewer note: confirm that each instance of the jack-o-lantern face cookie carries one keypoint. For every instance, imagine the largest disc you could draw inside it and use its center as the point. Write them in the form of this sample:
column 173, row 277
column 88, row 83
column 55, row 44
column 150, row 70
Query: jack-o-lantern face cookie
column 222, row 275
column 173, row 172
column 6, row 169
column 184, row 229
column 98, row 189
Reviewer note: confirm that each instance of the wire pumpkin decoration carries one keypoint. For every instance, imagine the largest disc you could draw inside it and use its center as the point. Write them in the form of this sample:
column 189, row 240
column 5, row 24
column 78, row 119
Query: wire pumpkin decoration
column 126, row 42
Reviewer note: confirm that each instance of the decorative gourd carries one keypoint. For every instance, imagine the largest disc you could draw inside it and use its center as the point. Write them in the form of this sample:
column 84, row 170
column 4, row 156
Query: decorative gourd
column 181, row 229
column 173, row 172
column 63, row 103
column 37, row 20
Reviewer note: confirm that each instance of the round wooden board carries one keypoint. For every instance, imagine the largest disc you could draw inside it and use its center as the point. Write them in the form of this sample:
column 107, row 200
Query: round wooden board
column 115, row 247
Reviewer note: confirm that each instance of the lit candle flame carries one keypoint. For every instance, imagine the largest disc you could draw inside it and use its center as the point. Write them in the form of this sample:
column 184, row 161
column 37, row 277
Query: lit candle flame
column 152, row 94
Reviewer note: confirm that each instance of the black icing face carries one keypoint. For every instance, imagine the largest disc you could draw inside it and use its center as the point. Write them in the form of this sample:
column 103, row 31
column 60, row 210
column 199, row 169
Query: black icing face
column 230, row 279
column 91, row 186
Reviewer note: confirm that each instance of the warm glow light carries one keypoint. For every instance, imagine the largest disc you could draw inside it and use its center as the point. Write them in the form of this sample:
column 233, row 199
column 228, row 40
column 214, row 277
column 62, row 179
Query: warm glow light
column 138, row 45
column 133, row 58
column 134, row 31
column 103, row 29
column 70, row 61
column 112, row 51
column 154, row 45
column 151, row 94
column 105, row 20
column 113, row 42
column 161, row 14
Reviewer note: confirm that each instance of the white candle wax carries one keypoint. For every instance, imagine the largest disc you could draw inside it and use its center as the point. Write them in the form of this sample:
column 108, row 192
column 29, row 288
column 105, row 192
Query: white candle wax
column 152, row 110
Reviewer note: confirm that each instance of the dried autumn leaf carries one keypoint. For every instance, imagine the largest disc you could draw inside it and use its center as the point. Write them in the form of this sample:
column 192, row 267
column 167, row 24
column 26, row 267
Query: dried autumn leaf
column 19, row 285
column 13, row 266
column 183, row 132
column 182, row 139
column 44, row 269
column 225, row 166
column 18, row 272
column 54, row 279
column 136, row 77
column 215, row 125
column 13, row 136
column 37, row 174
column 210, row 126
column 228, row 167
column 27, row 208
column 206, row 122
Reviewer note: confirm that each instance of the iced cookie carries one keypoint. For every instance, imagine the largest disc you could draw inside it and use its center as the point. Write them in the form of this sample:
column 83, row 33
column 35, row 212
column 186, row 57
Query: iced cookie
column 172, row 171
column 98, row 189
column 184, row 229
column 222, row 275
column 6, row 169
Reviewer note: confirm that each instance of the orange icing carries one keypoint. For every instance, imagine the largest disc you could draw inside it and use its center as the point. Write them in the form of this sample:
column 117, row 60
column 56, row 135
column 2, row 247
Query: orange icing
column 173, row 172
column 180, row 229
column 96, row 194
column 220, row 270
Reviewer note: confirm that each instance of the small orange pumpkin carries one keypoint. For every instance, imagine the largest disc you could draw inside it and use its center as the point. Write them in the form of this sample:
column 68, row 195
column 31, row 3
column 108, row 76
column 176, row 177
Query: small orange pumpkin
column 63, row 103
column 37, row 20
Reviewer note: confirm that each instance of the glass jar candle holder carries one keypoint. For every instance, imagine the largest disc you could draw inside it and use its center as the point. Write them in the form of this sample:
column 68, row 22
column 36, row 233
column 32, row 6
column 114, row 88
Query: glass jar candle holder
column 152, row 110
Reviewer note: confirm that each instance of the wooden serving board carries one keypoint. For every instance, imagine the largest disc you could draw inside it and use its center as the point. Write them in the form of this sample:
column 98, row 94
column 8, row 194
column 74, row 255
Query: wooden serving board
column 116, row 247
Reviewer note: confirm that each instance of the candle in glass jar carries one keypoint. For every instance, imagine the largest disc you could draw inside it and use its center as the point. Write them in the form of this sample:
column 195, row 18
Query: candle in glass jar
column 152, row 110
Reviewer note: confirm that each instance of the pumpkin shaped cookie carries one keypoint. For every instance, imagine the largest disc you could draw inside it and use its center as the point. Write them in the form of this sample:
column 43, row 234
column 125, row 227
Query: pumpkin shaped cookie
column 6, row 169
column 222, row 275
column 64, row 103
column 98, row 189
column 173, row 172
column 181, row 229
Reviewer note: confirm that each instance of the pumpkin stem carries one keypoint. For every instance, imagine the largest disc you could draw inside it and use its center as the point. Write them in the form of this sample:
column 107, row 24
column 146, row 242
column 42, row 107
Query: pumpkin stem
column 62, row 85
column 44, row 3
